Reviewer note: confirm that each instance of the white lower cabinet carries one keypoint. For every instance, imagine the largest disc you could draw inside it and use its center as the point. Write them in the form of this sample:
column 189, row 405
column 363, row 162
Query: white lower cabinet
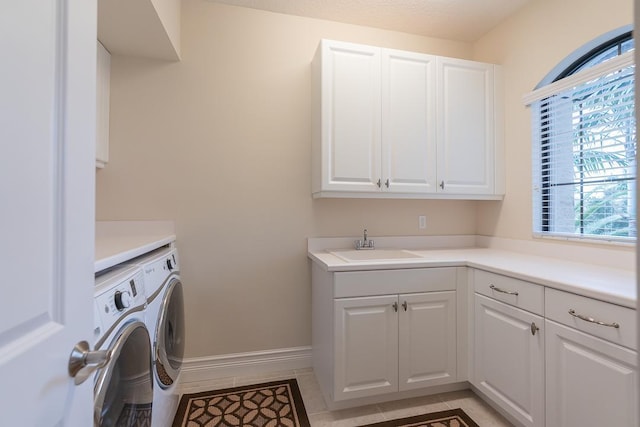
column 591, row 366
column 509, row 359
column 392, row 343
column 590, row 382
column 385, row 334
column 552, row 358
column 426, row 339
column 366, row 346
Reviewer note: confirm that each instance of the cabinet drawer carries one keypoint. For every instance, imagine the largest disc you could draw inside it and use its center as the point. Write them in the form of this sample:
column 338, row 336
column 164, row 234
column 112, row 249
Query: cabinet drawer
column 382, row 282
column 558, row 304
column 525, row 295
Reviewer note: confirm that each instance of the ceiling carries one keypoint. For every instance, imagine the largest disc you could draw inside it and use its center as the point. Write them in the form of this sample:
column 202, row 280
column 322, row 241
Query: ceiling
column 461, row 20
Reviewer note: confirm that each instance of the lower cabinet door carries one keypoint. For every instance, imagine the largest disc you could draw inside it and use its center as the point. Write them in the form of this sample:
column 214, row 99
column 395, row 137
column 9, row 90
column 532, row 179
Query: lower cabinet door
column 590, row 382
column 427, row 339
column 509, row 359
column 366, row 346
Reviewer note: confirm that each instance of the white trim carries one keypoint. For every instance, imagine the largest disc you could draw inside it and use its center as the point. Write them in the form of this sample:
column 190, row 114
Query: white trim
column 588, row 74
column 197, row 369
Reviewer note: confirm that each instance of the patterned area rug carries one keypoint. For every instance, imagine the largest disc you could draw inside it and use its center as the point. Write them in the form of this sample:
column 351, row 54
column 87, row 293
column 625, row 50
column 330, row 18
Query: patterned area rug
column 451, row 418
column 134, row 416
column 273, row 404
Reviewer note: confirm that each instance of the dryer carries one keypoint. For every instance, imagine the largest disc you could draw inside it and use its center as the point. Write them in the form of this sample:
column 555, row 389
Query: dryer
column 123, row 387
column 164, row 317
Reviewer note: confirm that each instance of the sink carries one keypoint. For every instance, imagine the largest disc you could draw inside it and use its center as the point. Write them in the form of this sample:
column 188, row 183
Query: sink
column 351, row 255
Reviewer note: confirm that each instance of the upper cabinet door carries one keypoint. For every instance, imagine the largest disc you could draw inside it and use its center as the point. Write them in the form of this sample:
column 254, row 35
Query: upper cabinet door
column 408, row 122
column 350, row 117
column 466, row 128
column 103, row 85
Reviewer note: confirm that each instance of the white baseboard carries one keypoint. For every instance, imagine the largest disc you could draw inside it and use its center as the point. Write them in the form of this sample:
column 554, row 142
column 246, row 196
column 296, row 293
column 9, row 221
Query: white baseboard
column 198, row 369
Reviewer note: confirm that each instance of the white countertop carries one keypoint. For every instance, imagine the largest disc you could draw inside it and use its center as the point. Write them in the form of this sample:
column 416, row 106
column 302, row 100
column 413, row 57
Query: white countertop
column 614, row 285
column 120, row 241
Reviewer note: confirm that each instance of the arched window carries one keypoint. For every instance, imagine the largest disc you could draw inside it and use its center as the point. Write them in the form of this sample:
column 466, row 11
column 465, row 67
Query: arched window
column 584, row 146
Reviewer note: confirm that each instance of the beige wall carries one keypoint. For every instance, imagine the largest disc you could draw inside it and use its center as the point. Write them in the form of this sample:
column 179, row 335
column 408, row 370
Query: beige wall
column 220, row 142
column 529, row 45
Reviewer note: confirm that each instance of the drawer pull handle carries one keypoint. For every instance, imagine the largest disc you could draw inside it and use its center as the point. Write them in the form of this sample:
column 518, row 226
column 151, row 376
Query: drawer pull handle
column 503, row 291
column 592, row 320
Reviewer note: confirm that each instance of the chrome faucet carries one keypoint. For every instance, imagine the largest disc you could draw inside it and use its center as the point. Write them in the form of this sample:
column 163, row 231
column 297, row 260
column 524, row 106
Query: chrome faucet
column 364, row 244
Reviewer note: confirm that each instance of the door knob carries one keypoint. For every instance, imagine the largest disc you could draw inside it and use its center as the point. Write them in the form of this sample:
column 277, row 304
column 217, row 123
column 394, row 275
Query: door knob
column 534, row 328
column 83, row 362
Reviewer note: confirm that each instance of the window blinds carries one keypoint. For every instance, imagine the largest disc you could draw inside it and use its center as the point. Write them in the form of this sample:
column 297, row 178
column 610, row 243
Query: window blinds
column 584, row 153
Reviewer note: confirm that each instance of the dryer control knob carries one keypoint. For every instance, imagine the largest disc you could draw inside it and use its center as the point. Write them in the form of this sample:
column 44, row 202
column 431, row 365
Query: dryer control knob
column 122, row 300
column 169, row 265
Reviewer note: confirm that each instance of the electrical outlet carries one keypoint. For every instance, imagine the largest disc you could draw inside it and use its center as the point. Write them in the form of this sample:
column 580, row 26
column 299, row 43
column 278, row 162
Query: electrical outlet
column 422, row 222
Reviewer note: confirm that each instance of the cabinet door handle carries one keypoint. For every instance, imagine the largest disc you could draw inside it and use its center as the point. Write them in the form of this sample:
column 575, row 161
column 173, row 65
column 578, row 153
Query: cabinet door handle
column 592, row 320
column 534, row 328
column 442, row 184
column 395, row 306
column 379, row 183
column 386, row 183
column 404, row 305
column 503, row 291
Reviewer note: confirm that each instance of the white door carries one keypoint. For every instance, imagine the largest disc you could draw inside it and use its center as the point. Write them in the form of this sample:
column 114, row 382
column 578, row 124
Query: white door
column 466, row 134
column 350, row 117
column 408, row 122
column 509, row 359
column 427, row 339
column 366, row 346
column 47, row 131
column 590, row 382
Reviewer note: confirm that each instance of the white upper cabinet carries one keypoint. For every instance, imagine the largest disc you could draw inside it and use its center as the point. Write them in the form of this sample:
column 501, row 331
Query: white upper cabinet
column 408, row 122
column 103, row 78
column 350, row 111
column 142, row 28
column 465, row 126
column 389, row 123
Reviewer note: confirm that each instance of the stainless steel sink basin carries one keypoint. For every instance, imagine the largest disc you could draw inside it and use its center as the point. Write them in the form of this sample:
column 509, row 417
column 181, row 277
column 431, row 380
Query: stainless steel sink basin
column 352, row 255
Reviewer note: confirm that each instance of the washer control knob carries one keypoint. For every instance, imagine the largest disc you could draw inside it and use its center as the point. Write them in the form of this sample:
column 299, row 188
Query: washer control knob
column 122, row 300
column 169, row 265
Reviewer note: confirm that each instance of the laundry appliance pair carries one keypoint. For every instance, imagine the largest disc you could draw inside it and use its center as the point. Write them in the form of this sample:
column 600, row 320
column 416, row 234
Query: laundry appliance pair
column 139, row 319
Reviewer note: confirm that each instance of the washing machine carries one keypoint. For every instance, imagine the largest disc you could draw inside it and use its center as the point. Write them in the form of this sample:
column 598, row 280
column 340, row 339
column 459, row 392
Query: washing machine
column 123, row 387
column 164, row 317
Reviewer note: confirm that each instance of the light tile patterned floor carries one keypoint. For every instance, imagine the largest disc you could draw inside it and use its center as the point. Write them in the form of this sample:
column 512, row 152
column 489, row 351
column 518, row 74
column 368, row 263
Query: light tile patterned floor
column 320, row 416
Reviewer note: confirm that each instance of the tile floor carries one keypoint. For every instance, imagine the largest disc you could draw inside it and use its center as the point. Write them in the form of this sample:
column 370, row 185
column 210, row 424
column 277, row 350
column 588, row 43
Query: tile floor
column 320, row 416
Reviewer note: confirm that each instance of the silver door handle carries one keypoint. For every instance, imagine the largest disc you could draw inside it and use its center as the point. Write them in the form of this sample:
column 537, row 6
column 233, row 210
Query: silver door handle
column 592, row 320
column 83, row 362
column 503, row 291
